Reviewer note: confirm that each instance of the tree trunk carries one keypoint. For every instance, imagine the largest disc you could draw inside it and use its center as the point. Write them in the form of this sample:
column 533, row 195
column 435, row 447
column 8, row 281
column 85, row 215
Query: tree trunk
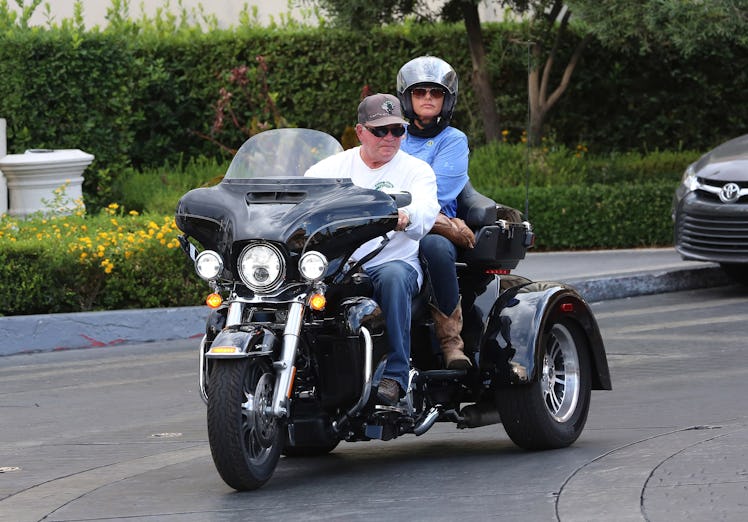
column 539, row 78
column 480, row 78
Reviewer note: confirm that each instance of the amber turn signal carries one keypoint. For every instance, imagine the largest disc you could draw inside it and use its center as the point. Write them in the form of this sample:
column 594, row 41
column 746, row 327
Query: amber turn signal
column 213, row 300
column 317, row 302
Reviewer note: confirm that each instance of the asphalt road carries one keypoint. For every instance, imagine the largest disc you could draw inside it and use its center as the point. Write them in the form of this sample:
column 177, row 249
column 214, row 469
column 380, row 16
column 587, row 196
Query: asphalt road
column 119, row 434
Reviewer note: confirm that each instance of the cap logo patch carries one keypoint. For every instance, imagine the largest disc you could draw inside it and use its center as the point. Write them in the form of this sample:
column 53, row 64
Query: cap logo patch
column 388, row 106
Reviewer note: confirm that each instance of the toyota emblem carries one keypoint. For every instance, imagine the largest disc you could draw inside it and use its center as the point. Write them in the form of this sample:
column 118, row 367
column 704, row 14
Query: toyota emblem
column 729, row 193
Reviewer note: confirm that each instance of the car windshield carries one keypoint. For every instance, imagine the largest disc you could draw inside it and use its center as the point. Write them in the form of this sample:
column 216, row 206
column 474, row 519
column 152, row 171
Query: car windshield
column 281, row 153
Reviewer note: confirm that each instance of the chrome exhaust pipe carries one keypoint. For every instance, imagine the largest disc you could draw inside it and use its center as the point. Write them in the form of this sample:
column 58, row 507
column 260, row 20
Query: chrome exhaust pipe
column 428, row 421
column 477, row 415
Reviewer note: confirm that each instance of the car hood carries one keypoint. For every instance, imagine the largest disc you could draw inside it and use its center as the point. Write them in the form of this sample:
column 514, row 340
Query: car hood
column 727, row 162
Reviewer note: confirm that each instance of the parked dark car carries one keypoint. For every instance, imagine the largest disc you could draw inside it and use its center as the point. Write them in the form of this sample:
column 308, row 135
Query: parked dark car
column 710, row 209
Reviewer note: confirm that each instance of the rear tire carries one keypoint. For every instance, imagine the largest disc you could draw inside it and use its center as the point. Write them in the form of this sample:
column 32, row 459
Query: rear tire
column 245, row 439
column 551, row 412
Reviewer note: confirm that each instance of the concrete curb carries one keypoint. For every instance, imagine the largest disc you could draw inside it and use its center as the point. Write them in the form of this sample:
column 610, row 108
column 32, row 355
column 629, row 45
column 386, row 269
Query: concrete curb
column 619, row 287
column 49, row 332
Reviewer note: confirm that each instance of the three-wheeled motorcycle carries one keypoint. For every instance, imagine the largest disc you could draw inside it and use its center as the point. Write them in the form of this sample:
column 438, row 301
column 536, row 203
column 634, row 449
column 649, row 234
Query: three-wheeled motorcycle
column 295, row 345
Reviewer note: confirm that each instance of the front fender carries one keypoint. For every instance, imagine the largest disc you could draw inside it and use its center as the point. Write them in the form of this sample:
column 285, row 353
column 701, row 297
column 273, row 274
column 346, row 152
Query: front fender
column 238, row 344
column 510, row 352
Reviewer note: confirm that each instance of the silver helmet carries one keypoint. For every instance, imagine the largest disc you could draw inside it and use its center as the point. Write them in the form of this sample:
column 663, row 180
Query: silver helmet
column 427, row 70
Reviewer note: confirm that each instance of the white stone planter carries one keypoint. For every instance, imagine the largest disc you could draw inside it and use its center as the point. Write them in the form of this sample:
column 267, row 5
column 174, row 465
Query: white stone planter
column 33, row 177
column 3, row 195
column 3, row 184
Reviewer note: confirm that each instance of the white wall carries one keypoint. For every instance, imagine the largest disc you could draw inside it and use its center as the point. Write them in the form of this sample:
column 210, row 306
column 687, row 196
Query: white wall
column 226, row 11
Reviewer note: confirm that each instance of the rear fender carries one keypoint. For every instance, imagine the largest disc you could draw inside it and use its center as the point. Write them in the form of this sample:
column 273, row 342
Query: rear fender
column 239, row 344
column 510, row 347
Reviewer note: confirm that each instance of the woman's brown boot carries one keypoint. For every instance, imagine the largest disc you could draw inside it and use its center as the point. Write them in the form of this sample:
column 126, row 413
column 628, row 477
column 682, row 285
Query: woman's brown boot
column 448, row 330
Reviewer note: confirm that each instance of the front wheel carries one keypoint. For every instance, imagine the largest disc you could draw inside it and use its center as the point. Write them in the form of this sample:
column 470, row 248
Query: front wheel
column 552, row 411
column 245, row 438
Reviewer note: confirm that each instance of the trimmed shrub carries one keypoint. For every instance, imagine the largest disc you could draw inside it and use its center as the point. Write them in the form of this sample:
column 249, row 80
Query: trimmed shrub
column 110, row 261
column 137, row 94
column 584, row 217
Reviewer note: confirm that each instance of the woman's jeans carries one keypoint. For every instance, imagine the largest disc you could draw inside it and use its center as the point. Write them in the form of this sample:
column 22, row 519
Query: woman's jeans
column 440, row 255
column 395, row 284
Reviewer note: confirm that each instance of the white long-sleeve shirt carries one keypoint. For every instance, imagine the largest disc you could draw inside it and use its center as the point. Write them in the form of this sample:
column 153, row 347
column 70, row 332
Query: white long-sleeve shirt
column 402, row 173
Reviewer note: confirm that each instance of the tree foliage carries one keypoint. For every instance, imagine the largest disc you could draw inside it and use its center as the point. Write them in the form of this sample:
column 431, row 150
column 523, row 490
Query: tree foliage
column 635, row 25
column 684, row 25
column 365, row 14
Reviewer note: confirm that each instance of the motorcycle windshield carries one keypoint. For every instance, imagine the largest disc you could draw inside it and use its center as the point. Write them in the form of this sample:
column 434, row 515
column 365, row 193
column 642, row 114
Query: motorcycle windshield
column 281, row 153
column 265, row 196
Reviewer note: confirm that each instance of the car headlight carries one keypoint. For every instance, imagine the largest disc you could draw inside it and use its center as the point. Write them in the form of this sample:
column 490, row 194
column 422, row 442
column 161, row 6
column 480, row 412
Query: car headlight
column 689, row 180
column 261, row 267
column 312, row 266
column 208, row 265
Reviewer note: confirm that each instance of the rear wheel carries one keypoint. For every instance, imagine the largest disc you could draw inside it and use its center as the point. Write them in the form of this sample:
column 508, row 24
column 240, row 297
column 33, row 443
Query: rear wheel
column 736, row 272
column 245, row 438
column 551, row 412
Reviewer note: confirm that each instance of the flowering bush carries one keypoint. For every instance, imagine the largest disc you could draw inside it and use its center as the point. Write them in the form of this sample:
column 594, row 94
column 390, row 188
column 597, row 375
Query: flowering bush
column 113, row 260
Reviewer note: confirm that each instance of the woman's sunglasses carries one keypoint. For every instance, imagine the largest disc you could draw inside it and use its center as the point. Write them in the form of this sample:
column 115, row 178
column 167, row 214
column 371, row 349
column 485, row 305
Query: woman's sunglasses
column 381, row 132
column 435, row 92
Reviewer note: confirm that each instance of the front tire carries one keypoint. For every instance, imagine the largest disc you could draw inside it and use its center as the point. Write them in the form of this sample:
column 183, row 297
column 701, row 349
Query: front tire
column 245, row 438
column 551, row 412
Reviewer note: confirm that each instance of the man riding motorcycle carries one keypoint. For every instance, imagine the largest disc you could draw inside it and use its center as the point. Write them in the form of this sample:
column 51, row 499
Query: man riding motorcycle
column 395, row 272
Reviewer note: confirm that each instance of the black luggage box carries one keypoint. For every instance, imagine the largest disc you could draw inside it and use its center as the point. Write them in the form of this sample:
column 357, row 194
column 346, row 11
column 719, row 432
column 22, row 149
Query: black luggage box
column 500, row 246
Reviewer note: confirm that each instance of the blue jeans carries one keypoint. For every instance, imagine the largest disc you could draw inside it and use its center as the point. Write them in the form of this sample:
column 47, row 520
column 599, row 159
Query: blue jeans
column 395, row 284
column 439, row 255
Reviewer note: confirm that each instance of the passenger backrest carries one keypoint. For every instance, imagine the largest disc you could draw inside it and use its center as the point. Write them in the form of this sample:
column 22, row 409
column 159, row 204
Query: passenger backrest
column 478, row 210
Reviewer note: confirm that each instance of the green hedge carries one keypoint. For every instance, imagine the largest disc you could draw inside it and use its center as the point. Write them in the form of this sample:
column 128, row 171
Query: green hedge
column 61, row 89
column 596, row 216
column 136, row 96
column 105, row 262
column 39, row 274
column 36, row 280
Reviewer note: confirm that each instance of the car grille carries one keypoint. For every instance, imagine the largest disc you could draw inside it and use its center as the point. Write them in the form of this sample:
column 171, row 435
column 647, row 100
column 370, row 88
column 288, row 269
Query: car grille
column 709, row 235
column 712, row 196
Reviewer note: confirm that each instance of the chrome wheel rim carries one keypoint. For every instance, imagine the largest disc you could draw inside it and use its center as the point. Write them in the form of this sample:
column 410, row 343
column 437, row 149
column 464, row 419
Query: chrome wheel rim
column 560, row 380
column 258, row 425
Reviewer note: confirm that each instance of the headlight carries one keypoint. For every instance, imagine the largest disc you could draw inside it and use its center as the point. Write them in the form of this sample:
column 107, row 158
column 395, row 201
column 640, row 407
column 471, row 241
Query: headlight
column 261, row 267
column 312, row 266
column 689, row 180
column 208, row 265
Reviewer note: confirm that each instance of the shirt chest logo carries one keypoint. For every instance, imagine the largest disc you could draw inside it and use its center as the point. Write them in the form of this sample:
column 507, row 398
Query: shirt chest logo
column 383, row 185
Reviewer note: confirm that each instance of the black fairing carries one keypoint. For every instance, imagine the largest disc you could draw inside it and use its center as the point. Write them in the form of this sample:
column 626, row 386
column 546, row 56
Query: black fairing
column 329, row 215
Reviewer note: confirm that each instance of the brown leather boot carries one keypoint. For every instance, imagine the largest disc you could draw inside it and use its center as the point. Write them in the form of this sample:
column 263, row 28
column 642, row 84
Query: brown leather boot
column 448, row 332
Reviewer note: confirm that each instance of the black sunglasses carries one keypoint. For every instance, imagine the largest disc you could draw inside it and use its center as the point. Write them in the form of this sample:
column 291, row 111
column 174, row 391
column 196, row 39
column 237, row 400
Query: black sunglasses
column 435, row 92
column 381, row 132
